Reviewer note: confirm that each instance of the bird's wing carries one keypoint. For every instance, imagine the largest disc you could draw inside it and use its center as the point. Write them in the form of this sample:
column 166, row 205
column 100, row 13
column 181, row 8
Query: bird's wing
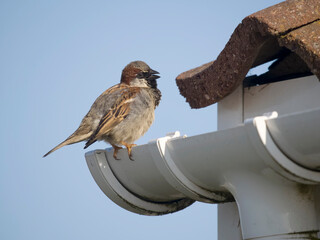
column 117, row 113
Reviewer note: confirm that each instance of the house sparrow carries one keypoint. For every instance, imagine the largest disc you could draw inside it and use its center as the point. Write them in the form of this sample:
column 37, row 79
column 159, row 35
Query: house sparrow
column 121, row 114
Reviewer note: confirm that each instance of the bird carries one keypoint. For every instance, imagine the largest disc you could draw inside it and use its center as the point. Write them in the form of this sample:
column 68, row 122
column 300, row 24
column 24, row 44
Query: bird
column 122, row 113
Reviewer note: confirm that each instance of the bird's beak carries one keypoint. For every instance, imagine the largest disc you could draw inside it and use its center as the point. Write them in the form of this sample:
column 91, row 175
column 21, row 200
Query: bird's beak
column 153, row 72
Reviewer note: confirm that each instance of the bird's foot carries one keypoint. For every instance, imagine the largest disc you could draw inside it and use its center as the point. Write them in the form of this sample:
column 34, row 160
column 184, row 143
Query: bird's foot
column 116, row 149
column 129, row 149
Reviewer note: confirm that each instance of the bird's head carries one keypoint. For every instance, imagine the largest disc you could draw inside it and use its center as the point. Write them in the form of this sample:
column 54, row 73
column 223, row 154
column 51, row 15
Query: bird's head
column 139, row 74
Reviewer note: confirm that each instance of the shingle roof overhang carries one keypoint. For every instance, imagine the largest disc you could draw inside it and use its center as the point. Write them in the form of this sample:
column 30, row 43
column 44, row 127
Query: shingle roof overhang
column 261, row 37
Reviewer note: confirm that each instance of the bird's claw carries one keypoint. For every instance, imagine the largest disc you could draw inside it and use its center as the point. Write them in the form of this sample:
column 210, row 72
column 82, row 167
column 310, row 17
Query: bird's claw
column 129, row 149
column 116, row 149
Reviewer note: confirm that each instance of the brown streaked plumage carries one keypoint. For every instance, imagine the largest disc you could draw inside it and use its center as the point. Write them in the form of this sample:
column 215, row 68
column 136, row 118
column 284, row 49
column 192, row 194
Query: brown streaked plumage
column 121, row 114
column 115, row 115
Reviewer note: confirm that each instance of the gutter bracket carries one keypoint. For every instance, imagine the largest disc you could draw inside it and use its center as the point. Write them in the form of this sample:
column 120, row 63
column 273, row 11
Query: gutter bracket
column 264, row 144
column 175, row 177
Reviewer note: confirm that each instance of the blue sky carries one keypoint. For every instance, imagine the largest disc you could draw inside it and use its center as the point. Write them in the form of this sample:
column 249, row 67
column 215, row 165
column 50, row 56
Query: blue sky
column 56, row 57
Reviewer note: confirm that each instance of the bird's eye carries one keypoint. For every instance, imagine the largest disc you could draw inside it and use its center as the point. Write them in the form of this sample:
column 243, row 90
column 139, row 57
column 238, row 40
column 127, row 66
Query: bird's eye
column 140, row 75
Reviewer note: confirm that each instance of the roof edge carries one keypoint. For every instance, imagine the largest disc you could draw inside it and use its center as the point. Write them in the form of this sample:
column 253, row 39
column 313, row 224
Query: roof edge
column 211, row 82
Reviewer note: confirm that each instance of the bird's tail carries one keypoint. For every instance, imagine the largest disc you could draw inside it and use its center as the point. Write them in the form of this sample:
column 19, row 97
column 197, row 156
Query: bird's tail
column 74, row 138
column 90, row 141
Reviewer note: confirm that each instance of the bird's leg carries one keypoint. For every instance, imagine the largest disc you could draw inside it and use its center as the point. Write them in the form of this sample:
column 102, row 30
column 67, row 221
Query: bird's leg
column 116, row 149
column 129, row 146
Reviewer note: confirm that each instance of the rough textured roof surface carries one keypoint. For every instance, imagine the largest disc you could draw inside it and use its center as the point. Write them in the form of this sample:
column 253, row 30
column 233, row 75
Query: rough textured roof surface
column 261, row 37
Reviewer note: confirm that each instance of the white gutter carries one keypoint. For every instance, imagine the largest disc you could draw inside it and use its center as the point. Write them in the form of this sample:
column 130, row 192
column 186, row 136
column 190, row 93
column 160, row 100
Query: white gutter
column 270, row 165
